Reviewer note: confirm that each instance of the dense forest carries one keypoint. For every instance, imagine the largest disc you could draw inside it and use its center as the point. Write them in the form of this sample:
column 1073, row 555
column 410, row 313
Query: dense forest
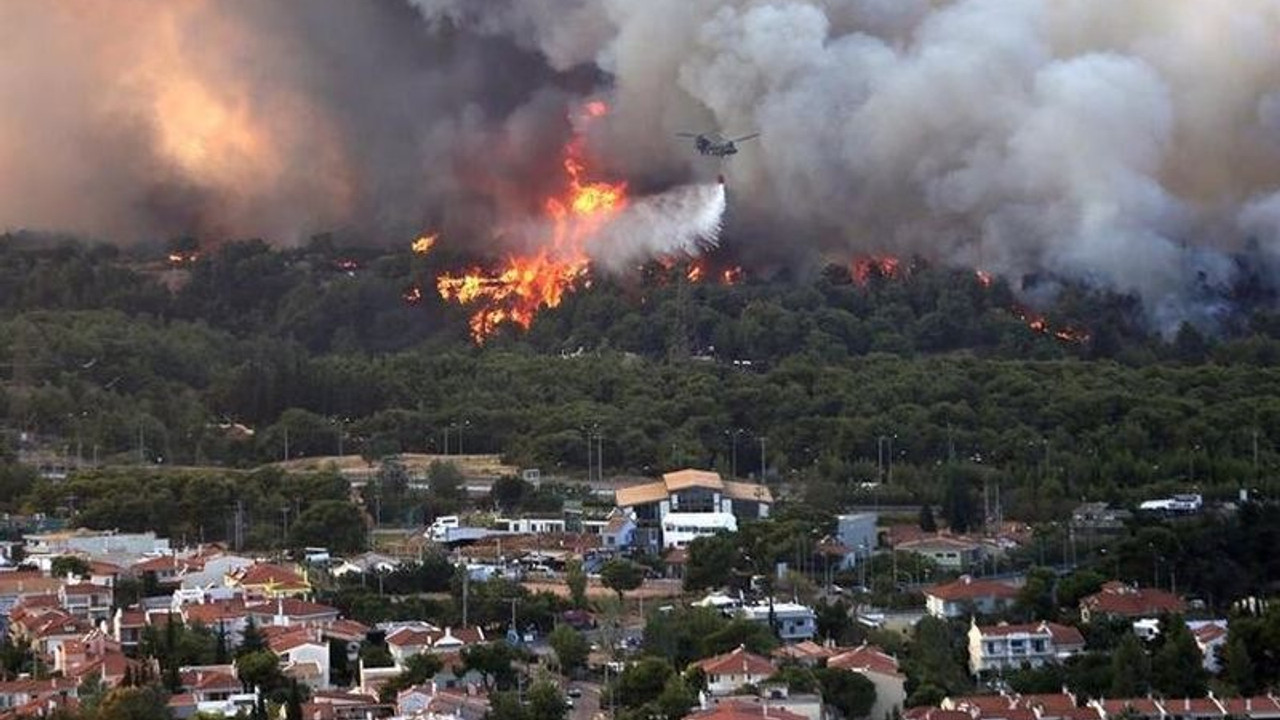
column 871, row 372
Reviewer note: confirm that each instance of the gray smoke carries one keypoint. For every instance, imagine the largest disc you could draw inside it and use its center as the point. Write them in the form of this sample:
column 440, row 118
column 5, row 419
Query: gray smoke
column 1131, row 145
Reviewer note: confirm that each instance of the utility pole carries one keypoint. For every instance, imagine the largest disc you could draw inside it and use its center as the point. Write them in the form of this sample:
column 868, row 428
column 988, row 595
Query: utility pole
column 466, row 593
column 238, row 533
column 763, row 464
column 286, row 442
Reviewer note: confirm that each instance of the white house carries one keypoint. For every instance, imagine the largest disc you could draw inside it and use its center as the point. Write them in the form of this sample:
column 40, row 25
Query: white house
column 792, row 621
column 687, row 504
column 968, row 596
column 726, row 673
column 882, row 670
column 995, row 648
column 304, row 656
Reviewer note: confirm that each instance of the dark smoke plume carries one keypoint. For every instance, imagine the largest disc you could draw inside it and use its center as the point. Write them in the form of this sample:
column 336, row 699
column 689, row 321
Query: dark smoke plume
column 1134, row 146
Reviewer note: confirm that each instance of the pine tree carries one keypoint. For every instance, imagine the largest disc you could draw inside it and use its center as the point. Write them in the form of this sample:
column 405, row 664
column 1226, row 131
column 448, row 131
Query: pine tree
column 1178, row 667
column 251, row 639
column 1239, row 665
column 1130, row 668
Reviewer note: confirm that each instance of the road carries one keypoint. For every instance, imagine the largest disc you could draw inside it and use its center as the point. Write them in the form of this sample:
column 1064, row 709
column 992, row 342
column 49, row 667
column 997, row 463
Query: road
column 588, row 705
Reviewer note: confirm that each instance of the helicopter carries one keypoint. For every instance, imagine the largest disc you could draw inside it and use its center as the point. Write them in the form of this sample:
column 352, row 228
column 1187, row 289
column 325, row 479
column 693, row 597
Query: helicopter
column 714, row 144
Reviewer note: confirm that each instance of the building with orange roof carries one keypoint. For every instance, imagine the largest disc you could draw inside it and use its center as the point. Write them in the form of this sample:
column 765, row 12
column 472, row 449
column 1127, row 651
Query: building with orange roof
column 269, row 580
column 35, row 697
column 881, row 668
column 996, row 648
column 411, row 639
column 737, row 710
column 967, row 595
column 86, row 600
column 730, row 671
column 687, row 504
column 1120, row 600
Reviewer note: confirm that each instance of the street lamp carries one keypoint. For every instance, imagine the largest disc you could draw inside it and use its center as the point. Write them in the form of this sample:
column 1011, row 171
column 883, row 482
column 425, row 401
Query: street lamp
column 733, row 453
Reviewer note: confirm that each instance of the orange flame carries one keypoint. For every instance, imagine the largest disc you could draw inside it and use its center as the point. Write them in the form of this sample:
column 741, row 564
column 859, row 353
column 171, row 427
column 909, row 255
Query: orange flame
column 697, row 269
column 183, row 258
column 423, row 245
column 526, row 284
column 413, row 295
column 884, row 266
column 731, row 276
column 1040, row 324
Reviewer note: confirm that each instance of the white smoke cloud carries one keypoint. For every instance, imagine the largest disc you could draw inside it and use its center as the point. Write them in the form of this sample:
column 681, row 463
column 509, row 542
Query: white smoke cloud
column 683, row 220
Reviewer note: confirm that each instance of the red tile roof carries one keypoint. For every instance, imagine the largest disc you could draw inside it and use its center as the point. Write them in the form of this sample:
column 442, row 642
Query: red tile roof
column 806, row 650
column 969, row 588
column 423, row 637
column 1192, row 706
column 1259, row 705
column 1128, row 601
column 283, row 643
column 867, row 658
column 735, row 710
column 1061, row 634
column 133, row 618
column 264, row 574
column 738, row 661
column 346, row 630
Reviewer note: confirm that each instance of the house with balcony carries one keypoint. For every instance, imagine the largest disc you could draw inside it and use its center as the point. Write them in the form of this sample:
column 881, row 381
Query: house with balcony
column 689, row 504
column 86, row 600
column 1004, row 647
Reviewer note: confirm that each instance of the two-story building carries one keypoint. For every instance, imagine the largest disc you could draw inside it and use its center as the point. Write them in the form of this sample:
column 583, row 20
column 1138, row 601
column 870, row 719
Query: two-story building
column 689, row 504
column 86, row 600
column 997, row 648
column 882, row 670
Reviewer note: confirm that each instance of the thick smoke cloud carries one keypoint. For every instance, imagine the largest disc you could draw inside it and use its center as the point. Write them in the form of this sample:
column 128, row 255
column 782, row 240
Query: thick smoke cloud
column 1133, row 145
column 232, row 118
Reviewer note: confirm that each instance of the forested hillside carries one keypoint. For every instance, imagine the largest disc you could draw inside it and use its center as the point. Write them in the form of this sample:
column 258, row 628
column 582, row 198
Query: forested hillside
column 872, row 372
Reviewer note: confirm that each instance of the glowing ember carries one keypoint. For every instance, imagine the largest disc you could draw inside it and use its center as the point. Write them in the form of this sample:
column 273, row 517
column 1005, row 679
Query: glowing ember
column 1040, row 324
column 883, row 266
column 423, row 245
column 984, row 278
column 413, row 295
column 526, row 284
column 183, row 258
column 347, row 264
column 731, row 276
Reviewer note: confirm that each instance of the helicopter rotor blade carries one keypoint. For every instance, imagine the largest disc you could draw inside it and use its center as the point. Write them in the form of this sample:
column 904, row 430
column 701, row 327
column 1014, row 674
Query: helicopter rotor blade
column 744, row 138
